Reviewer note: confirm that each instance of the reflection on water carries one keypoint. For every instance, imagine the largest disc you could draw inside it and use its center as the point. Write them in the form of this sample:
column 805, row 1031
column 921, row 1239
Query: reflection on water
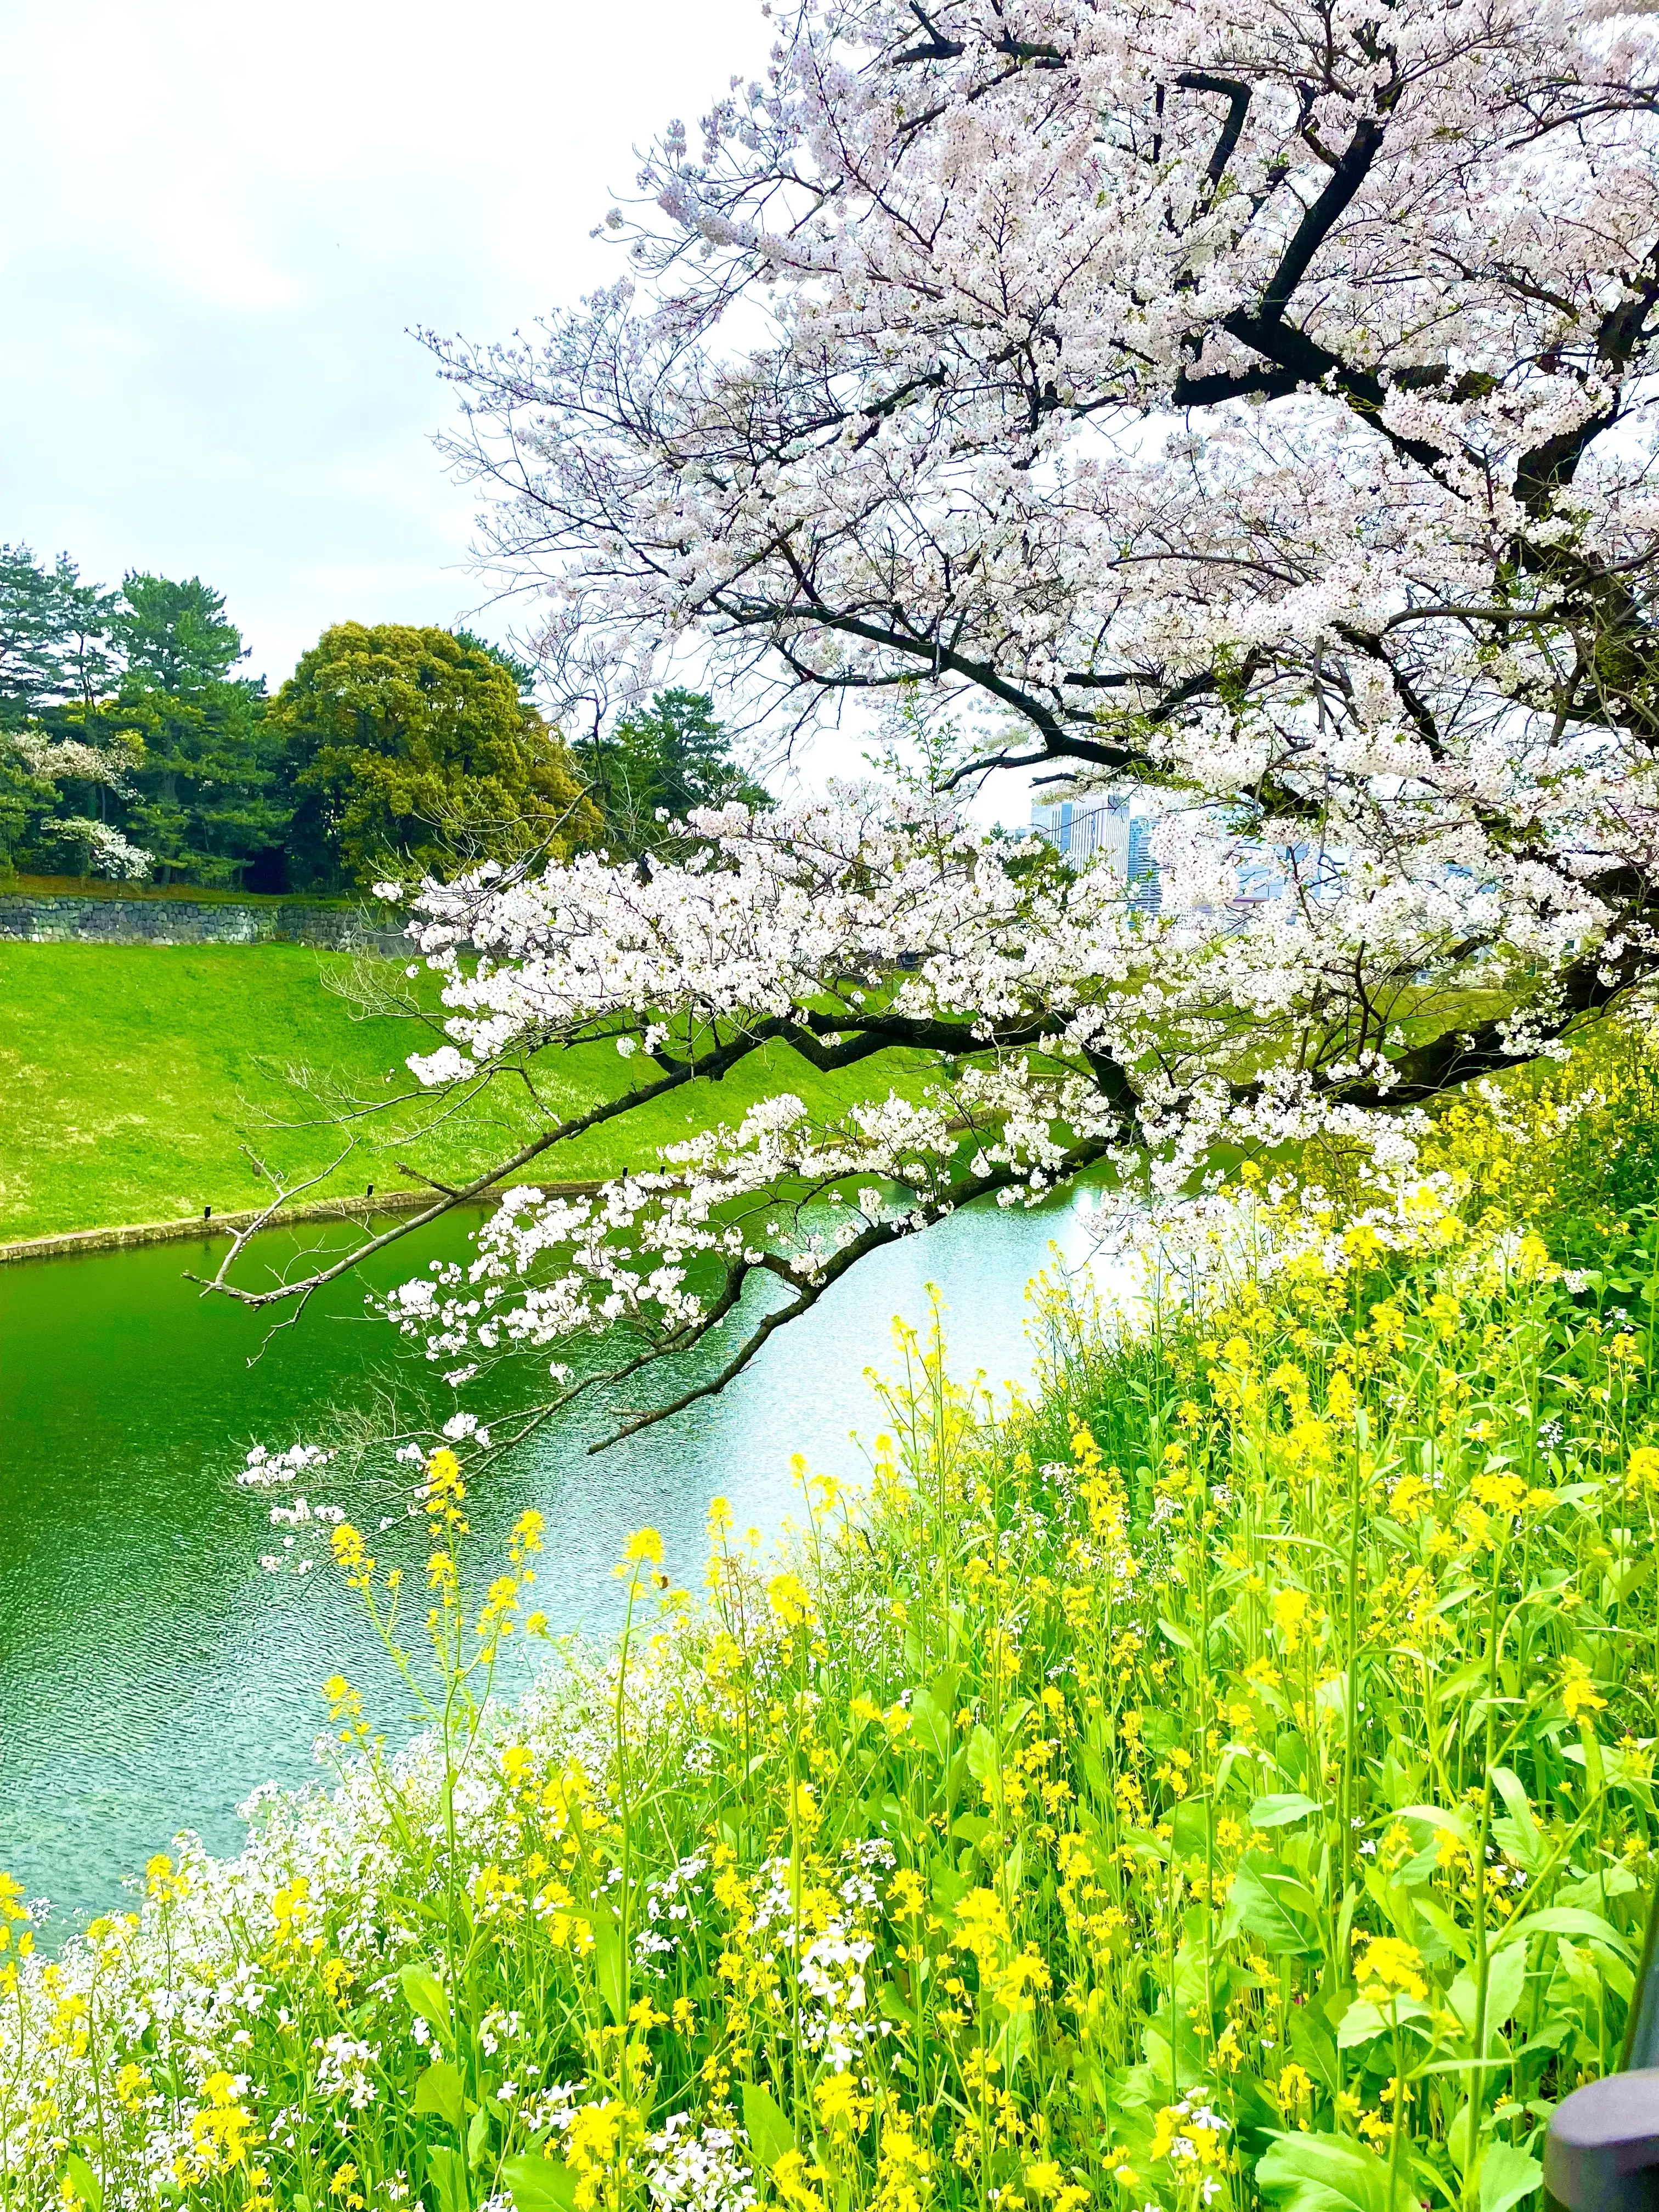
column 150, row 1674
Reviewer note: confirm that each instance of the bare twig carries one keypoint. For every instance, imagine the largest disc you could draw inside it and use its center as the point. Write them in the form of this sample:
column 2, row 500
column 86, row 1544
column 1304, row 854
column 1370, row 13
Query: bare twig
column 415, row 1175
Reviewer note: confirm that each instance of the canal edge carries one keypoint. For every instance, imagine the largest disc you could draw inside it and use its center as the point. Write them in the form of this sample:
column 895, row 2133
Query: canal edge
column 193, row 1229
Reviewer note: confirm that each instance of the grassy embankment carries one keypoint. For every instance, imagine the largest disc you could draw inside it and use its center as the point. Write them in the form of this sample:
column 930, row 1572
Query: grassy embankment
column 136, row 1079
column 1226, row 1781
column 132, row 1077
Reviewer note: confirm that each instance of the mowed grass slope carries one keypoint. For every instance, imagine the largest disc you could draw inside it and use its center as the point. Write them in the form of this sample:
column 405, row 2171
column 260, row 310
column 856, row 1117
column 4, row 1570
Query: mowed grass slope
column 136, row 1080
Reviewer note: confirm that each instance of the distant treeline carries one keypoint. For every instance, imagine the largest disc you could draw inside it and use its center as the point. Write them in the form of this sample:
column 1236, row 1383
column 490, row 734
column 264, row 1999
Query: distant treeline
column 130, row 748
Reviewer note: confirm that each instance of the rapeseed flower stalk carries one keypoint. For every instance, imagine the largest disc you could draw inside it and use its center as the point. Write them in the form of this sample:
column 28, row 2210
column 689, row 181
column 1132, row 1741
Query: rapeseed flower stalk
column 1229, row 1767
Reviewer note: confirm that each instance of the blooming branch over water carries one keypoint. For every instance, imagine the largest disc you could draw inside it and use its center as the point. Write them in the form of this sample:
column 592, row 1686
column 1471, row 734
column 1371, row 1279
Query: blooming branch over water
column 1127, row 385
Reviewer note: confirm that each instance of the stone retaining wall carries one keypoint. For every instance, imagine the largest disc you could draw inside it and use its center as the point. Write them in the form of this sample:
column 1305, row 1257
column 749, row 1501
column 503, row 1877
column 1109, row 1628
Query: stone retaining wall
column 220, row 1225
column 62, row 918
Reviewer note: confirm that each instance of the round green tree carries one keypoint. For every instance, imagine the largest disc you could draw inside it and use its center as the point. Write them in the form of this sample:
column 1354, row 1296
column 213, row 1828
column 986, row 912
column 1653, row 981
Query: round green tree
column 416, row 750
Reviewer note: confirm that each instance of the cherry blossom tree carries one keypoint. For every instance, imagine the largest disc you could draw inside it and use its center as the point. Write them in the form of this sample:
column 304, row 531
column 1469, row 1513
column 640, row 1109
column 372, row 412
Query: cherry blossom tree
column 1255, row 405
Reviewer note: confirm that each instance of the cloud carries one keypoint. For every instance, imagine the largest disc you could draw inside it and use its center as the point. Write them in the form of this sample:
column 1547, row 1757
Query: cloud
column 216, row 226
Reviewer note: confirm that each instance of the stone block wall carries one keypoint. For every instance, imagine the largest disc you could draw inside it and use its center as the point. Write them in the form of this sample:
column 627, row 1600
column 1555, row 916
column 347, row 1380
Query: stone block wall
column 63, row 918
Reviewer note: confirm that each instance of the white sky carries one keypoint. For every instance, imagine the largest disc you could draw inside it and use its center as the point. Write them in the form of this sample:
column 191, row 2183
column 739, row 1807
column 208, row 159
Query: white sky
column 217, row 223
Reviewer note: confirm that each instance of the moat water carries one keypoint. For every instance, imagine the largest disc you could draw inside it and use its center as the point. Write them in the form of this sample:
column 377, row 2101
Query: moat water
column 151, row 1672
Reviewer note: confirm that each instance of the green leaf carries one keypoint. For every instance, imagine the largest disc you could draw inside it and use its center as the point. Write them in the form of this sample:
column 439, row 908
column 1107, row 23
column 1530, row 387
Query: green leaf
column 439, row 2090
column 1362, row 2021
column 1451, row 1931
column 933, row 1709
column 948, row 1886
column 1277, row 1811
column 1436, row 1820
column 609, row 1966
column 1359, row 2024
column 1178, row 1636
column 1506, row 1983
column 1189, row 1826
column 1594, row 1891
column 83, row 2181
column 768, row 2131
column 1013, row 1714
column 539, row 2185
column 1457, row 2136
column 1507, row 2175
column 1568, row 1920
column 951, row 1782
column 1162, row 1729
column 1524, row 1844
column 478, row 2137
column 421, row 1908
column 1506, row 1978
column 1252, row 1904
column 983, row 1760
column 449, row 2173
column 1322, row 2174
column 424, row 1994
column 1315, row 2046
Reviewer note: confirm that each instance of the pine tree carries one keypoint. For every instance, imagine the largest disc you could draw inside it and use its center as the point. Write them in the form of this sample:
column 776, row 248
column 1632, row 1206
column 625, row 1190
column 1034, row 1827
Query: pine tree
column 663, row 760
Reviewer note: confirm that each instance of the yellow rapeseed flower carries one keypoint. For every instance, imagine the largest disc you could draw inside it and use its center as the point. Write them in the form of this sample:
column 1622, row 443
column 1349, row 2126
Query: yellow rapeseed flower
column 904, row 2166
column 1293, row 2088
column 906, row 1893
column 1504, row 1493
column 525, row 1535
column 840, row 2107
column 443, row 1472
column 161, row 1879
column 221, row 2134
column 1291, row 1611
column 791, row 1601
column 1410, row 1498
column 1388, row 1967
column 1579, row 1692
column 792, row 2178
column 982, row 1925
column 348, row 1548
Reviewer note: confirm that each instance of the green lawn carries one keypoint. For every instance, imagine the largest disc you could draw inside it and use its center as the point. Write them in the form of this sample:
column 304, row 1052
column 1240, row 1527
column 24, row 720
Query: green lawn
column 131, row 1077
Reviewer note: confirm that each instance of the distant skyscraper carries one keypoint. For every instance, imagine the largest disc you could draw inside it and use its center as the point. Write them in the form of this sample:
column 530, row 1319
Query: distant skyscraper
column 1081, row 828
column 1099, row 824
column 1144, row 889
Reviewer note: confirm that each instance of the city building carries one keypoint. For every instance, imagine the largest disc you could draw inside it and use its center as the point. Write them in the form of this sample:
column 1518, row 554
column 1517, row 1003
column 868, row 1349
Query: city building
column 1082, row 828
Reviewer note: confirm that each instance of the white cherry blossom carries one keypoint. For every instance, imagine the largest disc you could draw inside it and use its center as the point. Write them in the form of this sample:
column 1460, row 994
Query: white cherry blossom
column 1254, row 406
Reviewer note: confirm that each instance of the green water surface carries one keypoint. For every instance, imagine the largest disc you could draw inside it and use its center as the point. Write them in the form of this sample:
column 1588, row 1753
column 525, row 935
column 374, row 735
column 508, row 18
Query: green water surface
column 151, row 1672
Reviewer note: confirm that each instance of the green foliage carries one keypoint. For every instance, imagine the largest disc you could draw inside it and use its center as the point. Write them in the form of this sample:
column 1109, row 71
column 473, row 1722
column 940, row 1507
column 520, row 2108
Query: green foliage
column 176, row 638
column 25, row 797
column 662, row 760
column 391, row 750
column 57, row 658
column 57, row 637
column 414, row 750
column 521, row 672
column 123, row 711
column 206, row 802
column 1576, row 1144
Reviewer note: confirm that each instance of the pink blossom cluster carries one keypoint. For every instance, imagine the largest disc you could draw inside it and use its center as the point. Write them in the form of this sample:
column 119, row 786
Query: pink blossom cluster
column 1253, row 405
